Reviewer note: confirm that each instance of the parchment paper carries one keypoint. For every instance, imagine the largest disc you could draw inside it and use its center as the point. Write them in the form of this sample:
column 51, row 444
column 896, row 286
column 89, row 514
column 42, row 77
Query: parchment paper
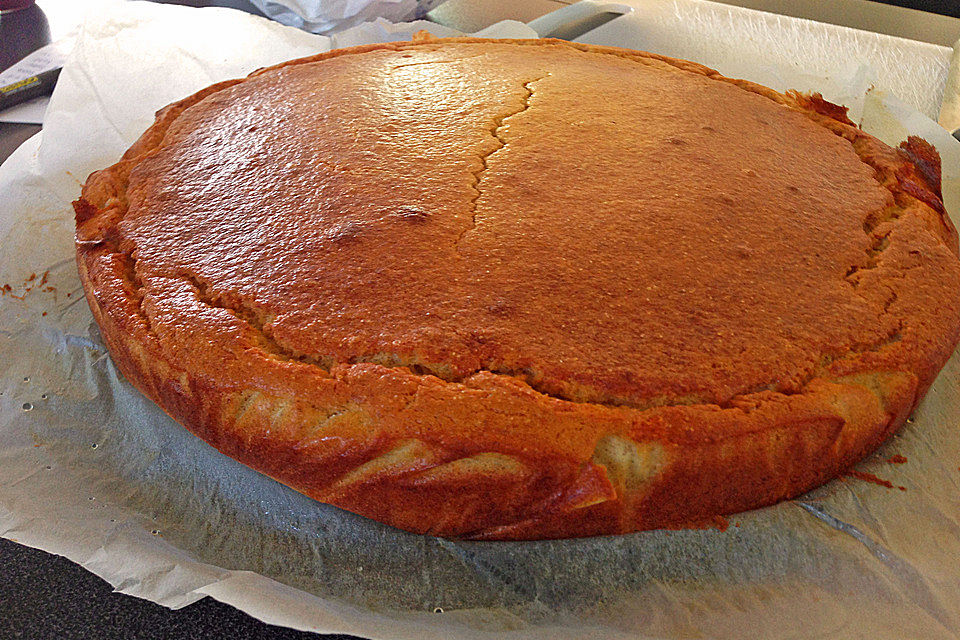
column 92, row 470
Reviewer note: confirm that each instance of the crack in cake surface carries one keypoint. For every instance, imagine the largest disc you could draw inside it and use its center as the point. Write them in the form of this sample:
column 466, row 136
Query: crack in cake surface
column 478, row 175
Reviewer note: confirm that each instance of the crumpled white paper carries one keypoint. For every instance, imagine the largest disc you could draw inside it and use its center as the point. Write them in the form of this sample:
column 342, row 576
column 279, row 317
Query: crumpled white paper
column 92, row 470
column 330, row 16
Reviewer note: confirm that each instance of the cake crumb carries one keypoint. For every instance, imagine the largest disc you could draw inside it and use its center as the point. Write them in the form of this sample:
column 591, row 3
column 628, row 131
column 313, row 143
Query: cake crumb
column 869, row 477
column 897, row 459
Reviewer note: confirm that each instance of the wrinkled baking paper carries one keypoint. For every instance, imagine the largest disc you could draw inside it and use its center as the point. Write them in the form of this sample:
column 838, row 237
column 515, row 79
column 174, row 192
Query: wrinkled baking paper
column 92, row 470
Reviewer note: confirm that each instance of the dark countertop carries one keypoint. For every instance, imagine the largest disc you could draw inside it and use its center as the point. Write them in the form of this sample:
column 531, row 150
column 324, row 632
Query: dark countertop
column 47, row 596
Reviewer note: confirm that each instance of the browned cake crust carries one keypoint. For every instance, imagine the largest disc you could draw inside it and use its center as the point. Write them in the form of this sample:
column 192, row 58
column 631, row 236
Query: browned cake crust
column 523, row 289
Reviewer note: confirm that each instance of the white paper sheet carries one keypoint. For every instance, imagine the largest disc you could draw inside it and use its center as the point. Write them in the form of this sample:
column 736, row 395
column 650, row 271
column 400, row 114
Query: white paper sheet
column 331, row 16
column 92, row 470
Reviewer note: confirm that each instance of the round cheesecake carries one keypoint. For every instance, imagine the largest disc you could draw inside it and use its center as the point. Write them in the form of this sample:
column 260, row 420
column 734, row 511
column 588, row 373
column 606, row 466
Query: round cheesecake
column 523, row 289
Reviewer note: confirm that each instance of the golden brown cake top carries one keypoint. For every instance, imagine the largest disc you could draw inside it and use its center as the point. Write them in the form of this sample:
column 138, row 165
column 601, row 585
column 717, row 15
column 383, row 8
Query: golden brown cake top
column 608, row 231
